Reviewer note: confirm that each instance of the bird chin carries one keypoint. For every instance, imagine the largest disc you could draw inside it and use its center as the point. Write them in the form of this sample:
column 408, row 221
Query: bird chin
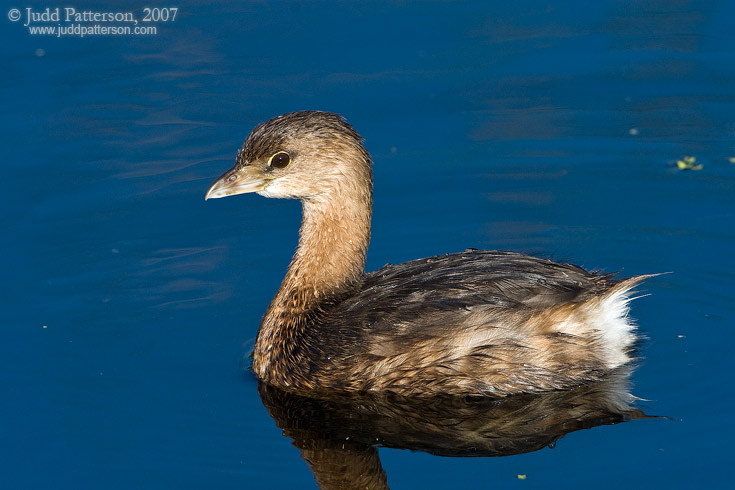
column 276, row 190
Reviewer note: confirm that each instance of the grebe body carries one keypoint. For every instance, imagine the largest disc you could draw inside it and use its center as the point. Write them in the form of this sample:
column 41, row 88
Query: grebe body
column 470, row 323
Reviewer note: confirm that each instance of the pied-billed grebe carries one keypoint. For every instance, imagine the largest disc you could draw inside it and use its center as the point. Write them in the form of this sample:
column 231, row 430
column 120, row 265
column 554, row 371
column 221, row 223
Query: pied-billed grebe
column 469, row 323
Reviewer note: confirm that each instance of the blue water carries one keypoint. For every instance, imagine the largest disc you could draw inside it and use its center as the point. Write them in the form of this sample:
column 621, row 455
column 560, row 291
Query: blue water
column 541, row 127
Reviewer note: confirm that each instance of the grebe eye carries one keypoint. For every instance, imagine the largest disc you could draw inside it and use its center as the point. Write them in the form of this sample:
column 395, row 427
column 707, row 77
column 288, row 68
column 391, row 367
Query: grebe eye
column 279, row 160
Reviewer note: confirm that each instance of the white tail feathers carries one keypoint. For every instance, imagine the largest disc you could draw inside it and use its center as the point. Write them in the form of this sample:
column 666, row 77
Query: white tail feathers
column 608, row 316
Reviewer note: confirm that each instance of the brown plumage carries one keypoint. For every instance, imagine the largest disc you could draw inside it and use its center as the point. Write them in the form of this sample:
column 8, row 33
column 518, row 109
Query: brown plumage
column 470, row 323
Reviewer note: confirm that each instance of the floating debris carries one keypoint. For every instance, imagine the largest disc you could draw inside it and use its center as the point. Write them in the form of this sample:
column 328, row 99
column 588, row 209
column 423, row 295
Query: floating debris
column 521, row 477
column 689, row 163
column 633, row 132
column 731, row 159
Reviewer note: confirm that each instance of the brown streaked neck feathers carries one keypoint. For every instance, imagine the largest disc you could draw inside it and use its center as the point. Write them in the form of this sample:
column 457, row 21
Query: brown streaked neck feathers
column 328, row 263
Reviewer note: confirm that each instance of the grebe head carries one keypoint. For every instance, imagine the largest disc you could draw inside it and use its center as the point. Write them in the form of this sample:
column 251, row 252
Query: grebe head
column 307, row 155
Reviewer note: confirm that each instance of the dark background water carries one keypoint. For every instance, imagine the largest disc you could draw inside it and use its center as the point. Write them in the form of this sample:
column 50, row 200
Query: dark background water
column 544, row 127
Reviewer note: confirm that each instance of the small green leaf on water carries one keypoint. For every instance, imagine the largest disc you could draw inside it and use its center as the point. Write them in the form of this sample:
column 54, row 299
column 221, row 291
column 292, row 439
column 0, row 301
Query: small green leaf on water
column 731, row 159
column 689, row 163
column 521, row 477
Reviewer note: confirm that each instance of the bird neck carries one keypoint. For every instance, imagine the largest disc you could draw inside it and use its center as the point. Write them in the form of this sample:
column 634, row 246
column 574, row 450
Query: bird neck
column 330, row 258
column 329, row 262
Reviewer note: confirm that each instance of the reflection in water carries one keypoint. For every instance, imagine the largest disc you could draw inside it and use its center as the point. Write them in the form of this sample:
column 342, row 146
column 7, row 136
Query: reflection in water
column 338, row 435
